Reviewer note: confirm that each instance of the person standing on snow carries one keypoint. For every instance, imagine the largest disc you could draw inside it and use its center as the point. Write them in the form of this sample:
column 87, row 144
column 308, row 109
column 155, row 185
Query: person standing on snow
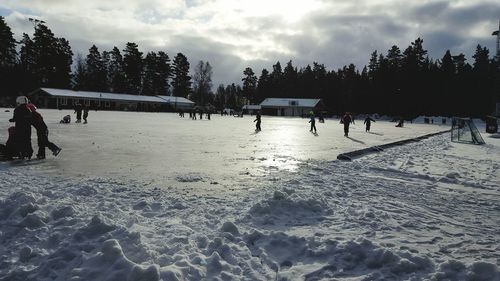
column 257, row 125
column 42, row 133
column 313, row 123
column 22, row 138
column 368, row 121
column 346, row 120
column 78, row 111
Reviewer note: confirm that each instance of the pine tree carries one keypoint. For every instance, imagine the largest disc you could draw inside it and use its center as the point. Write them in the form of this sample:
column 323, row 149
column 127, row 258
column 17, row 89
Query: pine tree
column 263, row 86
column 132, row 68
column 8, row 54
column 249, row 85
column 96, row 73
column 181, row 81
column 8, row 60
column 116, row 75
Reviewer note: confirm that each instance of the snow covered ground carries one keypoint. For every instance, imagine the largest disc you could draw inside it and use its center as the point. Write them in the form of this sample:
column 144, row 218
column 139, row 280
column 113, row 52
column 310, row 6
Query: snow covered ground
column 151, row 196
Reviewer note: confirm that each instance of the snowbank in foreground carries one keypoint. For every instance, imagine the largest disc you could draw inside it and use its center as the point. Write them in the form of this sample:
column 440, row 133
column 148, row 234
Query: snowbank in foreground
column 426, row 211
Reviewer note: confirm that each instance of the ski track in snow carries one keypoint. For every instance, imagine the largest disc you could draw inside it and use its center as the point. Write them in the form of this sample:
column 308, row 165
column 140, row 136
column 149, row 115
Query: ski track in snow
column 423, row 211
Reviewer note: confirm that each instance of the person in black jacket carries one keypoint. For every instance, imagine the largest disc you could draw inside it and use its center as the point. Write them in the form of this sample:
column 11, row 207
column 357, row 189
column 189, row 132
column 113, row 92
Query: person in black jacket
column 42, row 133
column 22, row 138
column 257, row 125
column 78, row 111
column 346, row 120
column 368, row 122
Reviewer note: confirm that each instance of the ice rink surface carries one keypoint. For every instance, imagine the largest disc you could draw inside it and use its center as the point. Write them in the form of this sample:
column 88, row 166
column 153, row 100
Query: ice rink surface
column 164, row 148
column 152, row 196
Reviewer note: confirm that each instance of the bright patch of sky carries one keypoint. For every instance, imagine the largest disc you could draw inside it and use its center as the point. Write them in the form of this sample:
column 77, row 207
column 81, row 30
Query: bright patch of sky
column 235, row 34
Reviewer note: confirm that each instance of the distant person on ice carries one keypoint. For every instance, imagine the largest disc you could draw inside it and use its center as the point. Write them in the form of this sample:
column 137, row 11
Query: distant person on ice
column 368, row 122
column 401, row 123
column 42, row 133
column 346, row 120
column 257, row 119
column 22, row 138
column 85, row 114
column 78, row 111
column 313, row 123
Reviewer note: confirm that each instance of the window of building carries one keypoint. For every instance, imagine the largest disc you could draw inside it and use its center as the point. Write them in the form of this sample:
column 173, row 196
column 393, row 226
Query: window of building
column 87, row 102
column 107, row 104
column 63, row 101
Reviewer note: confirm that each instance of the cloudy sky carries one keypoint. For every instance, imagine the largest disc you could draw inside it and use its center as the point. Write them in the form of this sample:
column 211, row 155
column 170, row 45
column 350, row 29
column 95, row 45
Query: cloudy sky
column 235, row 34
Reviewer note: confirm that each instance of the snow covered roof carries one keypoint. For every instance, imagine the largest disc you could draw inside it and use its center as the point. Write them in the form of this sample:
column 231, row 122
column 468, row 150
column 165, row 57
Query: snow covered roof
column 287, row 102
column 101, row 95
column 251, row 107
column 172, row 99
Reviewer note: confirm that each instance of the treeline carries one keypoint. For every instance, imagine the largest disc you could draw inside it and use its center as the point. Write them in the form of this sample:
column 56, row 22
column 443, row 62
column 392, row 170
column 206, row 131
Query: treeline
column 397, row 82
column 44, row 60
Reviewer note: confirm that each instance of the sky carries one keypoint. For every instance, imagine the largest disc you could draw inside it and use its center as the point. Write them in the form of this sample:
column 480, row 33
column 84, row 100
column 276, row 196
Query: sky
column 234, row 34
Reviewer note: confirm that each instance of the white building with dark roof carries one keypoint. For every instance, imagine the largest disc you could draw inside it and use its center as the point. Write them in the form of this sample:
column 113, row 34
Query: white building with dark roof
column 62, row 98
column 290, row 106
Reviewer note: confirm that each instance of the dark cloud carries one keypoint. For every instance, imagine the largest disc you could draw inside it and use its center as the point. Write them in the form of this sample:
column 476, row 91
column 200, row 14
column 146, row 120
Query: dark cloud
column 340, row 33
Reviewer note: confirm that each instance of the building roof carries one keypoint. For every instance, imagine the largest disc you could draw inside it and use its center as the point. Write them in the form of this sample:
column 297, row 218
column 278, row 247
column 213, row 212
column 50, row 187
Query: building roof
column 251, row 107
column 101, row 95
column 173, row 99
column 289, row 102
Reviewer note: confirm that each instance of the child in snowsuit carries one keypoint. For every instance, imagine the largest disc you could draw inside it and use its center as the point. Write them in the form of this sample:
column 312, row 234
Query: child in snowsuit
column 66, row 120
column 346, row 120
column 368, row 121
column 42, row 133
column 313, row 124
column 22, row 138
column 257, row 125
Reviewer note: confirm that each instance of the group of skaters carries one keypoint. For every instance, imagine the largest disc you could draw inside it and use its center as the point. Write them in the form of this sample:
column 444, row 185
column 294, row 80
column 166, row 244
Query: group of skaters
column 346, row 120
column 194, row 113
column 19, row 141
column 79, row 108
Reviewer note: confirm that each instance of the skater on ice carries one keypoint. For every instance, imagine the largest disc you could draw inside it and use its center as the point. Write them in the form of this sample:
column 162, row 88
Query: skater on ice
column 22, row 138
column 401, row 123
column 368, row 122
column 42, row 133
column 85, row 114
column 257, row 119
column 78, row 111
column 312, row 120
column 346, row 120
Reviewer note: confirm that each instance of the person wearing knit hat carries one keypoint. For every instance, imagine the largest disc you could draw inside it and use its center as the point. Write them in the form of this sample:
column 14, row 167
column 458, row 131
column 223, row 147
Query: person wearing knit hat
column 22, row 118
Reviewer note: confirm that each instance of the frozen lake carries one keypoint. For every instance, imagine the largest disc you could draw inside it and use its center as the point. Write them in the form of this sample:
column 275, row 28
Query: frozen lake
column 164, row 148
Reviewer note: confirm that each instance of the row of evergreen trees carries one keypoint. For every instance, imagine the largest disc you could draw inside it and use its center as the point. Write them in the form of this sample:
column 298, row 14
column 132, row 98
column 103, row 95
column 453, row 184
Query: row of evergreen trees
column 399, row 82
